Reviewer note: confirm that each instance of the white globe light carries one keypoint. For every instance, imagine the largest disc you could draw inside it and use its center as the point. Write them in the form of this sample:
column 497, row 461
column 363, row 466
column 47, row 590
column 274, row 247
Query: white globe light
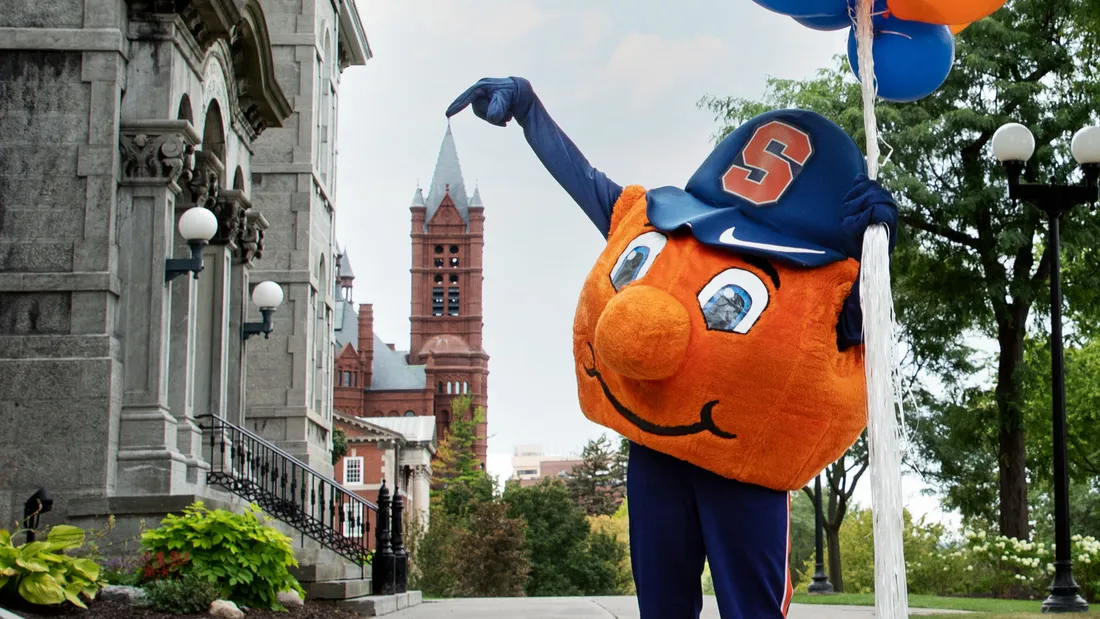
column 198, row 224
column 267, row 295
column 1086, row 145
column 1013, row 142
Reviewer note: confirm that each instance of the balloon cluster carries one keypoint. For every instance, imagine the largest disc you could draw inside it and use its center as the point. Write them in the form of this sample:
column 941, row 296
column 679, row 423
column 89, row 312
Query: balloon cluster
column 914, row 43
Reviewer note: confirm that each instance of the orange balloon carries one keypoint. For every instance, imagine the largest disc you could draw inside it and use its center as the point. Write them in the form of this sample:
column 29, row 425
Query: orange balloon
column 943, row 12
column 958, row 29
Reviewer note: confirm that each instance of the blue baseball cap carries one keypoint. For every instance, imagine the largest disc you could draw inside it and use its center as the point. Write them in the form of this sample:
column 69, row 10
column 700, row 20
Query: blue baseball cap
column 774, row 188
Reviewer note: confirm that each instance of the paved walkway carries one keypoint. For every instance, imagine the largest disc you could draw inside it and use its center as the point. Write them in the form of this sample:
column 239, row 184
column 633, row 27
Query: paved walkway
column 596, row 608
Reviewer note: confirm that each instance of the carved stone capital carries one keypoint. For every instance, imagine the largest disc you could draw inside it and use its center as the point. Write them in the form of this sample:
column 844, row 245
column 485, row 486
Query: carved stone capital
column 231, row 208
column 157, row 152
column 250, row 240
column 205, row 179
column 206, row 20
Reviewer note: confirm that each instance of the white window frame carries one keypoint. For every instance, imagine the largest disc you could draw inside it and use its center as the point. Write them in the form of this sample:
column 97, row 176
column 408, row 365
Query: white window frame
column 353, row 508
column 347, row 467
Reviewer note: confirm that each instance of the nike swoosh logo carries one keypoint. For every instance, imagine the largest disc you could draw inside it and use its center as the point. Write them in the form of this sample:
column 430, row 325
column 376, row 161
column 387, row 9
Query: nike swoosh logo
column 727, row 238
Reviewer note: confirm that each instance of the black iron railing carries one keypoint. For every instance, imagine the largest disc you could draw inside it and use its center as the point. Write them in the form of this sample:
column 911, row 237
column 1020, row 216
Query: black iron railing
column 280, row 484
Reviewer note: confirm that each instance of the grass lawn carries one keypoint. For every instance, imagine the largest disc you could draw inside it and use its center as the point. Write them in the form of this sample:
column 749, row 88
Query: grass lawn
column 996, row 609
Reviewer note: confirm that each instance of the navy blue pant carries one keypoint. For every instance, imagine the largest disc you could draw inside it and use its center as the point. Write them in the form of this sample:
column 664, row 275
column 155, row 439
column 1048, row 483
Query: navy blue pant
column 680, row 515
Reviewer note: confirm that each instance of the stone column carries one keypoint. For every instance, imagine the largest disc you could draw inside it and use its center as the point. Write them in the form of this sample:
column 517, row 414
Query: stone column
column 215, row 353
column 157, row 155
column 420, row 491
column 204, row 187
column 248, row 246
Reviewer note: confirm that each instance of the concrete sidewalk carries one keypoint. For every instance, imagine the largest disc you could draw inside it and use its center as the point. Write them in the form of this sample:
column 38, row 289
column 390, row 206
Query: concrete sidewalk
column 597, row 608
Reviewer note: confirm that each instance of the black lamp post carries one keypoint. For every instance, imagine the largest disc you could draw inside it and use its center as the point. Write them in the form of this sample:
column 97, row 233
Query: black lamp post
column 820, row 584
column 1013, row 145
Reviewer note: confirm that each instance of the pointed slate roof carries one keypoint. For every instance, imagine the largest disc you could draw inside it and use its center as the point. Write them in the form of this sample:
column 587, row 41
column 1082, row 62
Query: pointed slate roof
column 418, row 198
column 447, row 173
column 475, row 200
column 345, row 265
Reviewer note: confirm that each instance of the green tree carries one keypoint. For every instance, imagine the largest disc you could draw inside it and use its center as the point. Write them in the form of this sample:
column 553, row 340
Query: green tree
column 492, row 561
column 593, row 482
column 460, row 483
column 472, row 548
column 339, row 445
column 969, row 263
column 567, row 558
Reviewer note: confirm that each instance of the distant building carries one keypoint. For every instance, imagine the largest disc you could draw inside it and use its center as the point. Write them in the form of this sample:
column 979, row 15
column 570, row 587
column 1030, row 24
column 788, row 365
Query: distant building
column 390, row 448
column 530, row 465
column 395, row 405
column 446, row 357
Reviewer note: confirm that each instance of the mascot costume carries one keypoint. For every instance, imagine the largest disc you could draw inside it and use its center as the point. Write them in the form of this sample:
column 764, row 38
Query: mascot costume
column 722, row 330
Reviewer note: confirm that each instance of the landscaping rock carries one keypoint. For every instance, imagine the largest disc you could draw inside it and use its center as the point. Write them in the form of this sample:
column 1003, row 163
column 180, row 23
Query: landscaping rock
column 224, row 609
column 129, row 595
column 290, row 599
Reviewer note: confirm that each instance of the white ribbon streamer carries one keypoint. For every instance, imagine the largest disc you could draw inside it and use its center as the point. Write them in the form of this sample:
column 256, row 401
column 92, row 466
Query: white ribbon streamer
column 891, row 599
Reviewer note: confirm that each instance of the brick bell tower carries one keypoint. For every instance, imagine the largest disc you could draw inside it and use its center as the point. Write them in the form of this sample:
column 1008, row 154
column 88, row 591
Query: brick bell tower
column 448, row 240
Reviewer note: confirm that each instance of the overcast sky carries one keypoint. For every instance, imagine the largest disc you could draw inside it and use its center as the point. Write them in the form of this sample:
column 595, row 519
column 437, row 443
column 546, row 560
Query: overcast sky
column 621, row 77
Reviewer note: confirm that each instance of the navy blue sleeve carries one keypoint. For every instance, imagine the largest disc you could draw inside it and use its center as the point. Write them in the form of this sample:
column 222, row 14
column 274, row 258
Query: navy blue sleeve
column 591, row 189
column 849, row 327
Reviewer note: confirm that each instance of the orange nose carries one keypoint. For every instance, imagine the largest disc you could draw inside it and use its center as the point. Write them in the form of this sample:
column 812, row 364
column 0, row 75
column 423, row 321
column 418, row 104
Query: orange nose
column 643, row 333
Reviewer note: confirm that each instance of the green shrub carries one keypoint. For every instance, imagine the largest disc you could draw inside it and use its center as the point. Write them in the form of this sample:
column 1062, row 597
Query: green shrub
column 251, row 561
column 190, row 594
column 123, row 570
column 42, row 574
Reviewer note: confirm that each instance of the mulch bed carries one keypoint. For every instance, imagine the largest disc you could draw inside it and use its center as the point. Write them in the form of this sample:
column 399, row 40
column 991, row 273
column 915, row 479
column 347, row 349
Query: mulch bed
column 113, row 609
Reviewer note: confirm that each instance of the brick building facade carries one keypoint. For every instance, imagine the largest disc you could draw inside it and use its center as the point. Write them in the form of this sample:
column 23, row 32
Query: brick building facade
column 446, row 357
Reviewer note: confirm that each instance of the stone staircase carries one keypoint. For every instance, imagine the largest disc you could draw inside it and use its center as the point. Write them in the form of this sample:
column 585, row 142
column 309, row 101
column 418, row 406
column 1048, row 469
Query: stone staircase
column 330, row 525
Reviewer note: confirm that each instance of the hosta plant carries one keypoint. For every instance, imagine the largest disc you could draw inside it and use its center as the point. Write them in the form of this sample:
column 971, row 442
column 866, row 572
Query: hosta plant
column 43, row 574
column 249, row 561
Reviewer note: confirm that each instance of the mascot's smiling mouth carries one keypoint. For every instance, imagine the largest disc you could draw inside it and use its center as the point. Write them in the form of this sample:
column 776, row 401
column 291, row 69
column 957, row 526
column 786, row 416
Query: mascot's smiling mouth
column 705, row 423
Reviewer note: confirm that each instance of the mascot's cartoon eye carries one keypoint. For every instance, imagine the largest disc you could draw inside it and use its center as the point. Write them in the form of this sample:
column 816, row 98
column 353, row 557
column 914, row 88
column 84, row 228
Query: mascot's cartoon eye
column 733, row 301
column 635, row 261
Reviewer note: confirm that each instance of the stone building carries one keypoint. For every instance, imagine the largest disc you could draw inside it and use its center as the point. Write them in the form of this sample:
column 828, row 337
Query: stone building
column 116, row 118
column 446, row 357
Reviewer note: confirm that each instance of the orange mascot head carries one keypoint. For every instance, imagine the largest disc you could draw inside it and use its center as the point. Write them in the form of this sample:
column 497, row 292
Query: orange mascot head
column 708, row 328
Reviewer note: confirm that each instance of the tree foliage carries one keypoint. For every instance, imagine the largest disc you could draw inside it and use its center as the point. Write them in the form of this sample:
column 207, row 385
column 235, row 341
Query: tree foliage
column 969, row 263
column 459, row 481
column 567, row 557
column 599, row 481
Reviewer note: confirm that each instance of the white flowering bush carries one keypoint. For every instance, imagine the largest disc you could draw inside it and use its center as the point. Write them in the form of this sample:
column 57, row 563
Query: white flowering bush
column 981, row 564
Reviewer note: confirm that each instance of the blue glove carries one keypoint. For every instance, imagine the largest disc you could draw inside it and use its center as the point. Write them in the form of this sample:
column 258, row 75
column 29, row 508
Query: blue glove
column 866, row 204
column 497, row 100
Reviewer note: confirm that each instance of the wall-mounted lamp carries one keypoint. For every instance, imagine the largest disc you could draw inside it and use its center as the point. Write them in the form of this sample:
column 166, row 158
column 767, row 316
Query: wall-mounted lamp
column 267, row 296
column 40, row 503
column 197, row 226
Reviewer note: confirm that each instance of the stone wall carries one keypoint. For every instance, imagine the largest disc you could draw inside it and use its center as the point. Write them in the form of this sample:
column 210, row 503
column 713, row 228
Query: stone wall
column 59, row 347
column 293, row 182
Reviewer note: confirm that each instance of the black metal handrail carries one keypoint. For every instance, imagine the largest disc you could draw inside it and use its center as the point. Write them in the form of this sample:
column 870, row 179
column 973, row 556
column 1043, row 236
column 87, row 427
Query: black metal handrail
column 256, row 470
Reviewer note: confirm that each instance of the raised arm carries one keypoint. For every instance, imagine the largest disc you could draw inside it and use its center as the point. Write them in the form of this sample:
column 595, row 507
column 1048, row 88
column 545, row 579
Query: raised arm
column 498, row 101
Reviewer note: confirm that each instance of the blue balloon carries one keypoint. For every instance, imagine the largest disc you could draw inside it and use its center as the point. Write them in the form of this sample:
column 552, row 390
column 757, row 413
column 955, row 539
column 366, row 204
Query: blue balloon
column 827, row 22
column 840, row 20
column 805, row 8
column 912, row 59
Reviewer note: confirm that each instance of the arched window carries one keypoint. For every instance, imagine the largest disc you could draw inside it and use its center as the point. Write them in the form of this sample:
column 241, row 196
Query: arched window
column 213, row 132
column 184, row 112
column 449, row 385
column 440, row 387
column 410, row 413
column 465, row 387
column 393, row 413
